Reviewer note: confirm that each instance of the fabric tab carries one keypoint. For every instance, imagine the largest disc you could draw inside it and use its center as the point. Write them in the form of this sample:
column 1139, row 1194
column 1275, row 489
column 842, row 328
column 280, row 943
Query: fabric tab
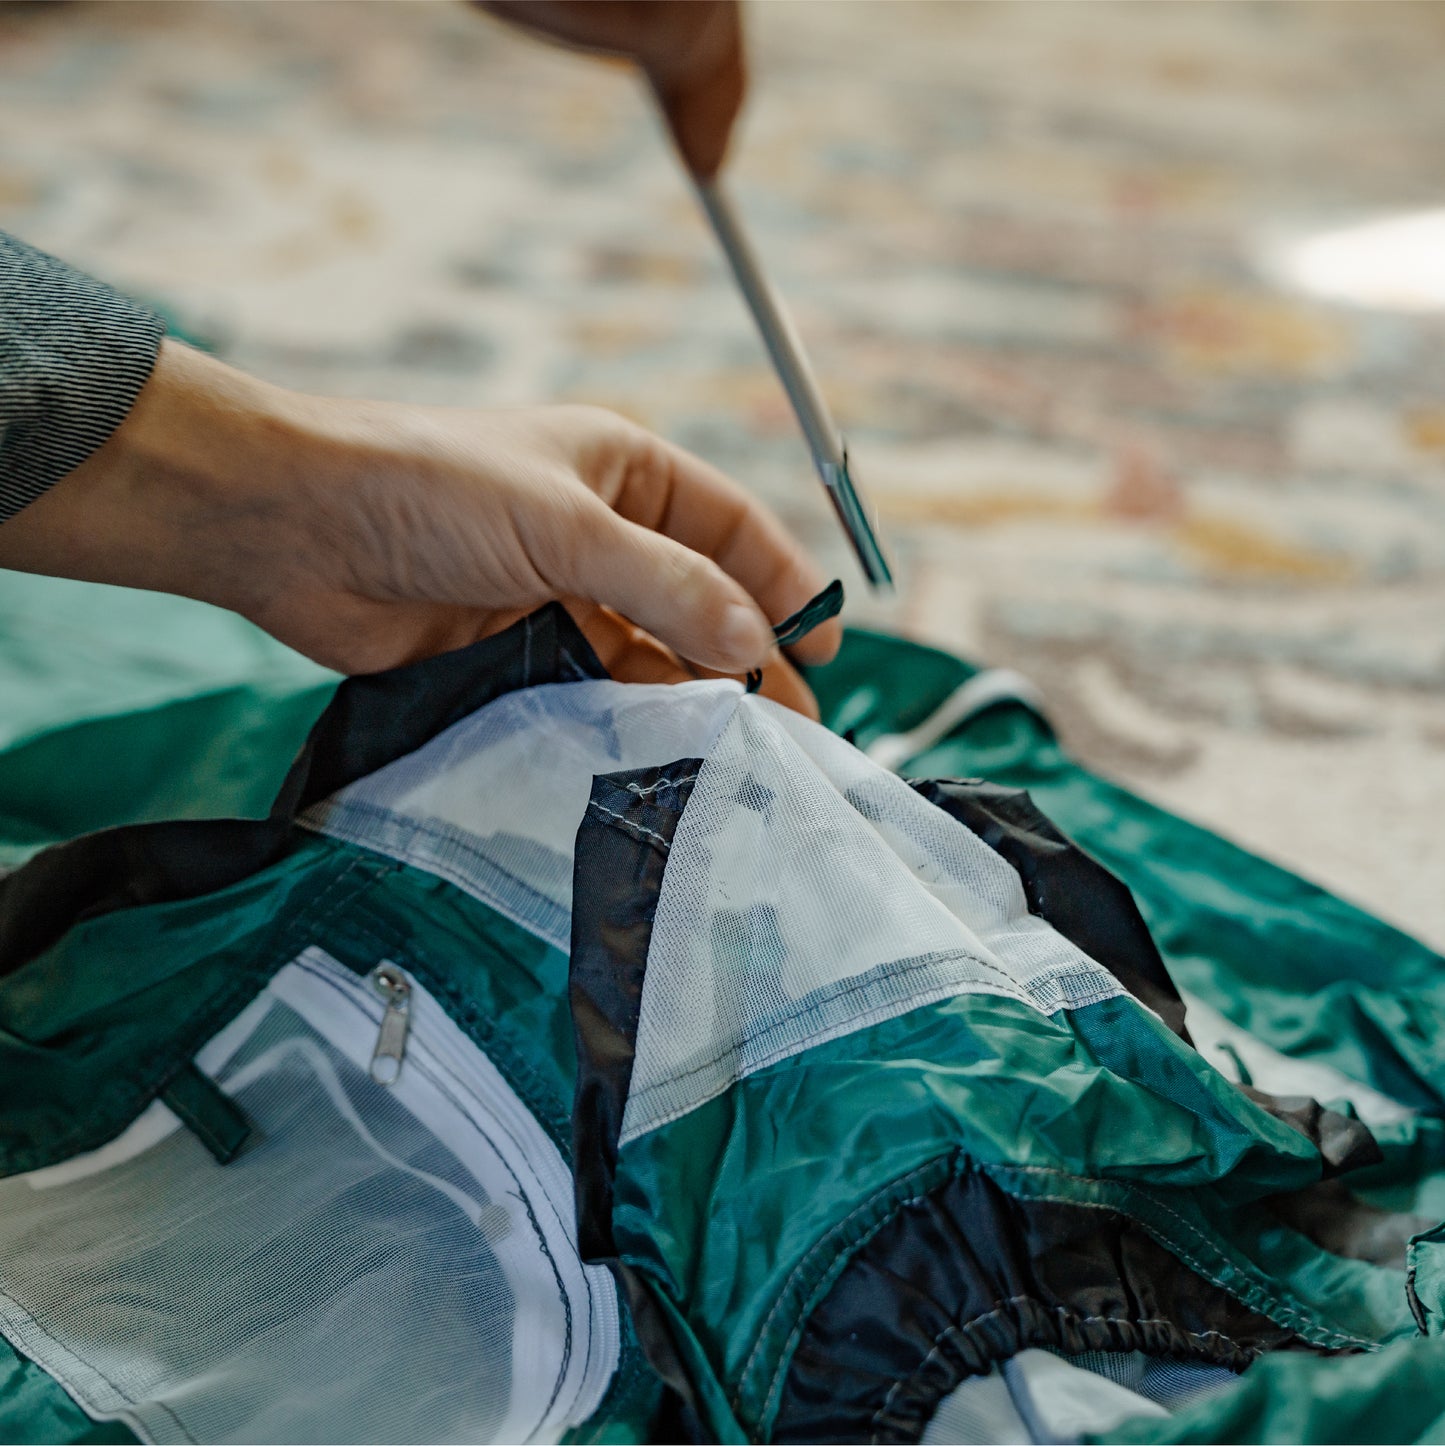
column 210, row 1114
column 796, row 626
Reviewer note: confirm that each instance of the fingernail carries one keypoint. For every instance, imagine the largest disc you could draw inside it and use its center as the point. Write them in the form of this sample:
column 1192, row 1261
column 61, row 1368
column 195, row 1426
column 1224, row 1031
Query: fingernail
column 744, row 638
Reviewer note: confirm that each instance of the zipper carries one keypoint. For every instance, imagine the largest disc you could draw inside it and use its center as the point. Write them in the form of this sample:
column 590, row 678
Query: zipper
column 413, row 1027
column 395, row 988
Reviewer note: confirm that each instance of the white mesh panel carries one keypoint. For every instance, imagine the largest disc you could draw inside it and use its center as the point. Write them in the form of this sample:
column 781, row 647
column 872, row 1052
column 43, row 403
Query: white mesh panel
column 809, row 893
column 377, row 1265
column 493, row 804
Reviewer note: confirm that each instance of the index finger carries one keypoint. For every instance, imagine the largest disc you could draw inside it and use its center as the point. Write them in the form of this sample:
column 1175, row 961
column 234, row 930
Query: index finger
column 668, row 490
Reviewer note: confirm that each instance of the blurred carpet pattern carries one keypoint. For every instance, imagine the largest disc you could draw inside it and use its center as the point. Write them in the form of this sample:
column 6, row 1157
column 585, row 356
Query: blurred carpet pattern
column 1029, row 246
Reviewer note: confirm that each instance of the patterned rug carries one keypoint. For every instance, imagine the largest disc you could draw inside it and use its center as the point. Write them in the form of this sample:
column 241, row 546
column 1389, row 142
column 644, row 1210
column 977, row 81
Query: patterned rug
column 1040, row 252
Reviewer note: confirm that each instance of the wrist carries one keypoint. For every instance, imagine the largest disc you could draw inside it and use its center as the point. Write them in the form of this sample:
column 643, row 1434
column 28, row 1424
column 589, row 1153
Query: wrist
column 194, row 428
column 201, row 442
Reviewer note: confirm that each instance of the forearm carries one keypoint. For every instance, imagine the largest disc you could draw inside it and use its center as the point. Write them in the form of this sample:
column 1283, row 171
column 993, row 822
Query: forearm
column 144, row 509
column 74, row 354
column 366, row 534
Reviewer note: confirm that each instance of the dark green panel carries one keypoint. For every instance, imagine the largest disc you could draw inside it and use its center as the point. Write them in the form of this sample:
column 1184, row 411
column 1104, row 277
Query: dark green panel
column 36, row 1408
column 742, row 1208
column 118, row 706
column 1305, row 971
column 1394, row 1396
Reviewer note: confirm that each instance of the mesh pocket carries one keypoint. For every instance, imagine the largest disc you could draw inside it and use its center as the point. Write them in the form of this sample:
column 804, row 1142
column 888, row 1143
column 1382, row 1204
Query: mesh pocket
column 382, row 1264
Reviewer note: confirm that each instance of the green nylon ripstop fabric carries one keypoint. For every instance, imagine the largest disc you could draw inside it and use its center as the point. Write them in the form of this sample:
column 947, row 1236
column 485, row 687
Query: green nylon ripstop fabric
column 118, row 706
column 1393, row 1396
column 1303, row 970
column 136, row 707
column 1029, row 1100
column 145, row 987
column 1333, row 984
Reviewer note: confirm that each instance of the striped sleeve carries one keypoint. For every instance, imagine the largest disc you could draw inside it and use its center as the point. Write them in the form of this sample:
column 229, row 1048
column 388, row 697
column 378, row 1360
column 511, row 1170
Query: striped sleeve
column 73, row 355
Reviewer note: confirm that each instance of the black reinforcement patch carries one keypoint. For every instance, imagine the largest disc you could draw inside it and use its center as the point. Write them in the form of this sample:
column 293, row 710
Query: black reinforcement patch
column 1075, row 893
column 1094, row 910
column 966, row 1276
column 621, row 855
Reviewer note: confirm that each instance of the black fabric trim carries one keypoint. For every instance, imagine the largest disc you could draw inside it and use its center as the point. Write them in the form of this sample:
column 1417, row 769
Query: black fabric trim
column 796, row 626
column 372, row 720
column 1087, row 904
column 966, row 1276
column 619, row 861
column 679, row 1418
column 622, row 848
column 1094, row 909
column 1344, row 1142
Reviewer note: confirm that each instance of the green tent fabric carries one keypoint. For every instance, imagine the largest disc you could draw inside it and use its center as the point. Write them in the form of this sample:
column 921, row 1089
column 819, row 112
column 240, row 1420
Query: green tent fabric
column 1350, row 990
column 33, row 1408
column 1394, row 1395
column 1333, row 984
column 119, row 707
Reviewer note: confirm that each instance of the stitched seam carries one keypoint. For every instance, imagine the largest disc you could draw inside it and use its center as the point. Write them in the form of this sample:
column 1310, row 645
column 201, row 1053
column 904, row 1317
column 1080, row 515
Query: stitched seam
column 837, row 1230
column 90, row 1366
column 144, row 1087
column 1133, row 1191
column 1001, row 1307
column 825, row 1283
column 1010, row 989
column 879, row 1014
column 412, row 830
column 928, row 961
column 222, row 1147
column 529, row 1083
column 1295, row 1316
column 633, row 828
column 651, row 788
column 1280, row 1313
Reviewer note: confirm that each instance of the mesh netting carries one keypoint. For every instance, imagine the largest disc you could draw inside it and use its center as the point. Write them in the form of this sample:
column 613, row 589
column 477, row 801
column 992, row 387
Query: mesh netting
column 1041, row 1396
column 810, row 893
column 493, row 804
column 376, row 1265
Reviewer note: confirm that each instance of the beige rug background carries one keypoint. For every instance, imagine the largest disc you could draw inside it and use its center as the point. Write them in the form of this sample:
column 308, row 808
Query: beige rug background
column 1031, row 248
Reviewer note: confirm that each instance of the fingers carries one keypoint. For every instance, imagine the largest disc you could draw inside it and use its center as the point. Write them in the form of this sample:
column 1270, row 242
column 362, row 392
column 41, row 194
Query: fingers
column 700, row 85
column 633, row 656
column 663, row 488
column 629, row 654
column 691, row 51
column 784, row 684
column 679, row 596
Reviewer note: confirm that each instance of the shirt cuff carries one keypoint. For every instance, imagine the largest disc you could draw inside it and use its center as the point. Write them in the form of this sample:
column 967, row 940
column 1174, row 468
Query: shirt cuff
column 74, row 354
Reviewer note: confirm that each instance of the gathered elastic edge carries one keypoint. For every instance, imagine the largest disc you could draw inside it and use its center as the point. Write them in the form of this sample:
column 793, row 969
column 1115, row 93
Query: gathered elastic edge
column 1037, row 1325
column 1289, row 1315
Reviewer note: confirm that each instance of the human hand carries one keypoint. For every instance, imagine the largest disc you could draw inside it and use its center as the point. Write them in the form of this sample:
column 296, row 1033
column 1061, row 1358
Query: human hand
column 368, row 534
column 690, row 50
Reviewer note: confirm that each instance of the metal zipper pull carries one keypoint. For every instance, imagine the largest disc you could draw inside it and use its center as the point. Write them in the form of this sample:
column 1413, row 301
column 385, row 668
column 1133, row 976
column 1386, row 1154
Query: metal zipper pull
column 395, row 988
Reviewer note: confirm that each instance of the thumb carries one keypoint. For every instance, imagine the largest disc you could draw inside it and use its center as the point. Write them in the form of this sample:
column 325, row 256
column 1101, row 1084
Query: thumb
column 679, row 596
